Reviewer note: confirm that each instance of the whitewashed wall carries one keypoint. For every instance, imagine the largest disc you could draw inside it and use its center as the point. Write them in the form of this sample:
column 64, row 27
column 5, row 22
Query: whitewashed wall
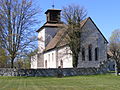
column 50, row 57
column 41, row 41
column 64, row 54
column 55, row 56
column 34, row 62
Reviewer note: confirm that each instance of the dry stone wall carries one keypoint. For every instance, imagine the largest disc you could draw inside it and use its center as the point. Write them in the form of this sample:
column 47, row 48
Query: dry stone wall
column 53, row 72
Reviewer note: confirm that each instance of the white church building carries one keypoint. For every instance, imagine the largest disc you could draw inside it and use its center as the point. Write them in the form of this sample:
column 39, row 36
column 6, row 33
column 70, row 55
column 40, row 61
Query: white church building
column 54, row 53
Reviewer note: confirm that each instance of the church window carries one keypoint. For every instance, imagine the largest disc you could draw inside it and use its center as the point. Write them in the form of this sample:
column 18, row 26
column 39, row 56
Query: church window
column 90, row 52
column 83, row 54
column 96, row 53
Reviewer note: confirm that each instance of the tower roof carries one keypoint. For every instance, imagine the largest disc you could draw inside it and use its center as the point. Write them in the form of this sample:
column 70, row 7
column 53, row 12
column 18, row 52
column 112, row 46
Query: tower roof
column 53, row 19
column 51, row 10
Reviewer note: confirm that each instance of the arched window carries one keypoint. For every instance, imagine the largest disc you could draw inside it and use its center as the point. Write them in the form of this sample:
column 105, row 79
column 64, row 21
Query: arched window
column 83, row 54
column 61, row 64
column 90, row 52
column 96, row 53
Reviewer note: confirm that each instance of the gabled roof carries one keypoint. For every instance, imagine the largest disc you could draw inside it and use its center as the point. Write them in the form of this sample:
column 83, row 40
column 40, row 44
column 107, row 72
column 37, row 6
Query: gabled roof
column 58, row 37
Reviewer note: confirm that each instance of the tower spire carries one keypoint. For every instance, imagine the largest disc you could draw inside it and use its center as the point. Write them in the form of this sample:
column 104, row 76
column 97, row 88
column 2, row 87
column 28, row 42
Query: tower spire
column 53, row 5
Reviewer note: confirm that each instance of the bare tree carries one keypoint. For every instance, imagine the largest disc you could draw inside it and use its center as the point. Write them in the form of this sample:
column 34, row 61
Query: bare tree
column 17, row 20
column 73, row 15
column 3, row 58
column 114, row 47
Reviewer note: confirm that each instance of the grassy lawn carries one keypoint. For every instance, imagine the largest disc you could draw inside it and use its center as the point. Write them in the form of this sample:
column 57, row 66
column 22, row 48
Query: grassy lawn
column 93, row 82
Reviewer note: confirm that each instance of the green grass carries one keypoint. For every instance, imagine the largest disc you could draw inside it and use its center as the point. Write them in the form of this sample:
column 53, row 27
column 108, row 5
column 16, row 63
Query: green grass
column 93, row 82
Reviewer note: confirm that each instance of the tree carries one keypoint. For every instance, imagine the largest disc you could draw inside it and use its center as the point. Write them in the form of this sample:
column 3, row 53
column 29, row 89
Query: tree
column 3, row 58
column 17, row 20
column 73, row 15
column 114, row 47
column 23, row 63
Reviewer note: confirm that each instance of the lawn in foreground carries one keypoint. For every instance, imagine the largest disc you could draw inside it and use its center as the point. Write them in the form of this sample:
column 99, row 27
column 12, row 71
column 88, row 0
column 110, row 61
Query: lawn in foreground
column 93, row 82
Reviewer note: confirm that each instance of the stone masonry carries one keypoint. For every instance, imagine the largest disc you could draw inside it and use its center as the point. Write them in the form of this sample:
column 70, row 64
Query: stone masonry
column 92, row 36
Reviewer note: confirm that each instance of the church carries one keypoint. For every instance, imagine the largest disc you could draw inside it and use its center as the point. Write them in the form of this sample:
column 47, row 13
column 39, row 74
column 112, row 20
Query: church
column 53, row 53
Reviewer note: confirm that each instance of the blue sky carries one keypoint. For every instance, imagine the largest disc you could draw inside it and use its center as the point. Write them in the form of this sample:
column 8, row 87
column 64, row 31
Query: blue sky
column 105, row 13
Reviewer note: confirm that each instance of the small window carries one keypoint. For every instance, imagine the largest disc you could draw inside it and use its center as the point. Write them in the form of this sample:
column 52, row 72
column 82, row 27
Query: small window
column 83, row 54
column 90, row 52
column 96, row 53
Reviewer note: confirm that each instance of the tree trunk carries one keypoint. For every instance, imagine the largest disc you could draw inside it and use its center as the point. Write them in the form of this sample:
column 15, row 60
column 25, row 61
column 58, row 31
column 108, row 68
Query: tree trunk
column 75, row 61
column 12, row 62
column 116, row 68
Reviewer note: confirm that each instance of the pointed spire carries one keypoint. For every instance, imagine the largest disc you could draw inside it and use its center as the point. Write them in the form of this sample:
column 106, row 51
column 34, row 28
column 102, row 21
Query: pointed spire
column 53, row 5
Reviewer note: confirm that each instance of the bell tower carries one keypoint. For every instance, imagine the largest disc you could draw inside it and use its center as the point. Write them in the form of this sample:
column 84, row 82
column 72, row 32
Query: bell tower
column 53, row 16
column 50, row 28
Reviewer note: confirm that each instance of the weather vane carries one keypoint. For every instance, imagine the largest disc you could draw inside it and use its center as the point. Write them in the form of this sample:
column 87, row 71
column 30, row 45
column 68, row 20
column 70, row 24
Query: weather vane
column 53, row 5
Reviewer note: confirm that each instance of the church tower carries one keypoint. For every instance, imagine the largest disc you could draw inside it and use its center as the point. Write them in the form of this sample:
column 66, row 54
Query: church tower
column 53, row 16
column 50, row 28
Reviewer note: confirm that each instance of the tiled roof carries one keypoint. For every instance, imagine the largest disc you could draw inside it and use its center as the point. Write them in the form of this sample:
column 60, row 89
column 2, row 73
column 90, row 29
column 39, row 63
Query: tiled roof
column 50, row 25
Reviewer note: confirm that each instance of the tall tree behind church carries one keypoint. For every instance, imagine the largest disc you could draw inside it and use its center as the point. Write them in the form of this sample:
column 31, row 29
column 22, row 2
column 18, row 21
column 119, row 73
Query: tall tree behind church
column 17, row 18
column 73, row 15
column 114, row 47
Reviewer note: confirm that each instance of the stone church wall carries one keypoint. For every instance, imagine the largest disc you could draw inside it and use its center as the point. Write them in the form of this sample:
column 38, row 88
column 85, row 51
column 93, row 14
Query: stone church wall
column 92, row 36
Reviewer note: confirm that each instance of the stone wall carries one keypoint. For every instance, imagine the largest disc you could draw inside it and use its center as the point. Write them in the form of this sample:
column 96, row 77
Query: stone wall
column 57, row 72
column 53, row 72
column 8, row 72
